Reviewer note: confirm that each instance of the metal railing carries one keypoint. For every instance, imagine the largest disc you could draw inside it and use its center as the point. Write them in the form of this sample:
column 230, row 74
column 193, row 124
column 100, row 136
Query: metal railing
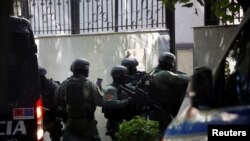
column 91, row 16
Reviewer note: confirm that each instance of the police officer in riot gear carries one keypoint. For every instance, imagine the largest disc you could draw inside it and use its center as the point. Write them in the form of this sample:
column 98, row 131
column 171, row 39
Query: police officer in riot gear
column 132, row 81
column 80, row 97
column 166, row 61
column 130, row 64
column 118, row 104
column 167, row 87
column 48, row 89
column 133, row 75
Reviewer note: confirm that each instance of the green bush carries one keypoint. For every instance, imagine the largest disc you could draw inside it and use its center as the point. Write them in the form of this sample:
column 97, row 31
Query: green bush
column 138, row 129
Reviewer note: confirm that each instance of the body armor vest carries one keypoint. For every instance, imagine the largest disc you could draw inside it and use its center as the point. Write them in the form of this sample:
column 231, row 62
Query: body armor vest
column 78, row 106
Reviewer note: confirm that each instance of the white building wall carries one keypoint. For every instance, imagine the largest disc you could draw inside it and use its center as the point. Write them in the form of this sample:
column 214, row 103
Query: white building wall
column 103, row 51
column 210, row 43
column 56, row 53
column 185, row 20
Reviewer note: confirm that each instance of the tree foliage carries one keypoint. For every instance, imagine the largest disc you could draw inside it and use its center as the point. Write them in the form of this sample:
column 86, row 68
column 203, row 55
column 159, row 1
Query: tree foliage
column 223, row 9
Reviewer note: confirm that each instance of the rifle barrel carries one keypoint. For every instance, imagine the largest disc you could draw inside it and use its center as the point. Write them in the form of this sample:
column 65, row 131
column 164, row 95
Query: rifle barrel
column 127, row 89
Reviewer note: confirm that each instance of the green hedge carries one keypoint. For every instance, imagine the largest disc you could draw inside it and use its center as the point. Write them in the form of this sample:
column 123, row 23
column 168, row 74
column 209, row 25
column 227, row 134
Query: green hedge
column 138, row 129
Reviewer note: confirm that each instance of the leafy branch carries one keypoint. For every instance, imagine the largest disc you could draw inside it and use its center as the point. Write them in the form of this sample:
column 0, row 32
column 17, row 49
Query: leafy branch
column 223, row 9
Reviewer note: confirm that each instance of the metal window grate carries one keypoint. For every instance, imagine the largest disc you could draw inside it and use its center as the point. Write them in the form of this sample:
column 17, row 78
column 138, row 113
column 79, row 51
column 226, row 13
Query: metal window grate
column 49, row 17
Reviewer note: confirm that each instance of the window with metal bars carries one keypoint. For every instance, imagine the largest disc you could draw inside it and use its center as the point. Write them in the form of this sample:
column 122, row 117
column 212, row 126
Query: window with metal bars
column 53, row 17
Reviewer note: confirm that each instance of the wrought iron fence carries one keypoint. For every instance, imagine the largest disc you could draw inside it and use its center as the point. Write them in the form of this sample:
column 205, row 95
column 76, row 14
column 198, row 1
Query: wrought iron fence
column 91, row 16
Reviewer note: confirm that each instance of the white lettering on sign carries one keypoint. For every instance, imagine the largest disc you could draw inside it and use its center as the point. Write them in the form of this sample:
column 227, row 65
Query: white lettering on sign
column 12, row 129
column 20, row 127
column 2, row 123
column 8, row 129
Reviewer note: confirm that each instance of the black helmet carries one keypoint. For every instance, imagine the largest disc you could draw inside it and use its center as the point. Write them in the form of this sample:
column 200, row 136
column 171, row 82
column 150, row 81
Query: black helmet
column 129, row 62
column 166, row 61
column 166, row 57
column 119, row 71
column 80, row 64
column 42, row 71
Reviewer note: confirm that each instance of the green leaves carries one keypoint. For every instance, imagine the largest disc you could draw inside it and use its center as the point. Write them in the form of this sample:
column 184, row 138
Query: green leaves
column 170, row 4
column 223, row 9
column 226, row 10
column 138, row 129
column 223, row 3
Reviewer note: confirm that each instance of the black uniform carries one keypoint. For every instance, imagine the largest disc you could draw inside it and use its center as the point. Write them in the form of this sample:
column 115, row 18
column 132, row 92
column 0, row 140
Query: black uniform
column 48, row 89
column 167, row 88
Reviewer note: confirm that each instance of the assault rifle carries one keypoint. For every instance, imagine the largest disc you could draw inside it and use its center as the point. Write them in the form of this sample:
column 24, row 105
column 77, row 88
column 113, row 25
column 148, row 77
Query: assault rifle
column 144, row 81
column 141, row 96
